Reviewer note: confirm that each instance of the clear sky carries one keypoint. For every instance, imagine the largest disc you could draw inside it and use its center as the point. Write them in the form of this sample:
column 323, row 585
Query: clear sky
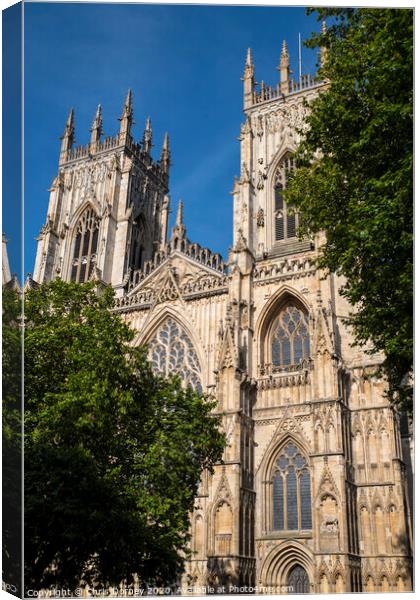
column 183, row 64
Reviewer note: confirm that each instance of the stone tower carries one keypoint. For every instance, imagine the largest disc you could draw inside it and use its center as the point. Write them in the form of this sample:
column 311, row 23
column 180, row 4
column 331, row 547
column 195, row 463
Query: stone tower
column 329, row 479
column 108, row 208
column 313, row 494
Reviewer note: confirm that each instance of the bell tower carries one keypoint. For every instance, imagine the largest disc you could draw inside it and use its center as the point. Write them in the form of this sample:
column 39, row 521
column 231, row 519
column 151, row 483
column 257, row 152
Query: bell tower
column 268, row 137
column 109, row 204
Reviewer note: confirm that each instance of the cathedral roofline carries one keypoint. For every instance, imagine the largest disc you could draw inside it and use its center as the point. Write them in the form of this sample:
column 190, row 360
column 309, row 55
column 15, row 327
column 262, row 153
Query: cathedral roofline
column 181, row 247
column 270, row 94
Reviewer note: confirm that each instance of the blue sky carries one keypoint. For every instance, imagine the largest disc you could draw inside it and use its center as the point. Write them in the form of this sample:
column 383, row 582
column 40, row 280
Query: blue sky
column 183, row 64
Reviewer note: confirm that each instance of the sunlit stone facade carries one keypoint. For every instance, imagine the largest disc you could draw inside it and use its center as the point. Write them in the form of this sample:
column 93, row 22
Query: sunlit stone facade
column 313, row 494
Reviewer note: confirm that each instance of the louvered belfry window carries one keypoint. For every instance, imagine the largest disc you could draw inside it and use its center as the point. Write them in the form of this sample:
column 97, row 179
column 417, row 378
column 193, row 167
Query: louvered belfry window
column 85, row 246
column 289, row 338
column 292, row 509
column 285, row 218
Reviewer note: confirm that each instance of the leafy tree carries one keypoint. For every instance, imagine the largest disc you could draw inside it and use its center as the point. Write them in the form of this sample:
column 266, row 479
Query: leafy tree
column 12, row 439
column 113, row 453
column 354, row 177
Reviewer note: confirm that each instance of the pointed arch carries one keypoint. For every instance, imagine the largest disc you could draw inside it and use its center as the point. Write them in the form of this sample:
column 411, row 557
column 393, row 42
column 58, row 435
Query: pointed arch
column 285, row 296
column 222, row 524
column 86, row 204
column 323, row 582
column 173, row 347
column 140, row 242
column 83, row 243
column 198, row 541
column 282, row 218
column 155, row 320
column 284, row 150
column 72, row 232
column 275, row 447
column 286, row 485
column 281, row 560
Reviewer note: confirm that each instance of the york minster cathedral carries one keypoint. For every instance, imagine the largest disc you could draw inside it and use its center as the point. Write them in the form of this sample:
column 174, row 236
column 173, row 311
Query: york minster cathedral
column 314, row 491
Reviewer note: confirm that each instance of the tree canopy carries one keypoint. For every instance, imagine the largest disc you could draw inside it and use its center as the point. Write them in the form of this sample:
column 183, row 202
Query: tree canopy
column 113, row 452
column 354, row 180
column 12, row 439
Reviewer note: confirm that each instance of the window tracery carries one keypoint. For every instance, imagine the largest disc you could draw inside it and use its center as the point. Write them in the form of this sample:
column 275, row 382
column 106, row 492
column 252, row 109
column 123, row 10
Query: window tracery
column 285, row 217
column 172, row 353
column 298, row 581
column 292, row 509
column 85, row 246
column 289, row 339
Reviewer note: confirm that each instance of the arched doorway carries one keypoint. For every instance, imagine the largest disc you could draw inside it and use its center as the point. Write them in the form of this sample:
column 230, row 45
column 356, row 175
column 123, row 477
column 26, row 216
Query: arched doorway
column 298, row 581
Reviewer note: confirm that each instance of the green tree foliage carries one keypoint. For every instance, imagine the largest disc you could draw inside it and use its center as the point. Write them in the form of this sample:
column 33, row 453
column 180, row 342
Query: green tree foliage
column 354, row 177
column 113, row 453
column 12, row 438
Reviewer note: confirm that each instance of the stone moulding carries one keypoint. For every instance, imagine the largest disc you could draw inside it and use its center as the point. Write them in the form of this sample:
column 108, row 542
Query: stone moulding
column 286, row 269
column 283, row 380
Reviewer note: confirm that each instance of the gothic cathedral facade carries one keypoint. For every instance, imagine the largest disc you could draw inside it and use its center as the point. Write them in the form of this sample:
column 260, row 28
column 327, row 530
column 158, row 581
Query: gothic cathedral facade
column 313, row 494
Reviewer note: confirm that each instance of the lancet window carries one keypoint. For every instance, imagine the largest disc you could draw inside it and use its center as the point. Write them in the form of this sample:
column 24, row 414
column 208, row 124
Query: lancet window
column 137, row 245
column 85, row 246
column 292, row 509
column 289, row 337
column 172, row 353
column 285, row 217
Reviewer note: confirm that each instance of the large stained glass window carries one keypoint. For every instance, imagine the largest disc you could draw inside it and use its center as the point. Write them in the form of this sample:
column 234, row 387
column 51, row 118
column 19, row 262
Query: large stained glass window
column 292, row 509
column 85, row 247
column 172, row 353
column 290, row 337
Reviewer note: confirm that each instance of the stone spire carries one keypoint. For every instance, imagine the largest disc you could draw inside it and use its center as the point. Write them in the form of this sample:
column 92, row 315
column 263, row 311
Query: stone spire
column 179, row 229
column 67, row 139
column 96, row 129
column 126, row 119
column 323, row 50
column 284, row 69
column 147, row 136
column 165, row 155
column 249, row 80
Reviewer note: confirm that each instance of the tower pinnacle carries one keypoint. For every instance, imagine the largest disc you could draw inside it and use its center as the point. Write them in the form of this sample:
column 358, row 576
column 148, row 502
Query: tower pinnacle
column 180, row 213
column 147, row 136
column 284, row 69
column 179, row 229
column 323, row 50
column 248, row 58
column 69, row 128
column 67, row 139
column 126, row 119
column 248, row 79
column 165, row 155
column 96, row 129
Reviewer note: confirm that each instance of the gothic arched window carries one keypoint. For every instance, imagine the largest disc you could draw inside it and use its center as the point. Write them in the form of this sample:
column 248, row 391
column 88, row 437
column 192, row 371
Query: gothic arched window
column 172, row 353
column 289, row 337
column 85, row 246
column 137, row 245
column 292, row 509
column 285, row 217
column 298, row 581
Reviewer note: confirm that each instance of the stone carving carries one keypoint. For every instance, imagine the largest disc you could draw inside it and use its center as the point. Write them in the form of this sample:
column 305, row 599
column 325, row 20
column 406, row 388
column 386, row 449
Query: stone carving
column 260, row 217
column 261, row 177
column 260, row 126
column 329, row 525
